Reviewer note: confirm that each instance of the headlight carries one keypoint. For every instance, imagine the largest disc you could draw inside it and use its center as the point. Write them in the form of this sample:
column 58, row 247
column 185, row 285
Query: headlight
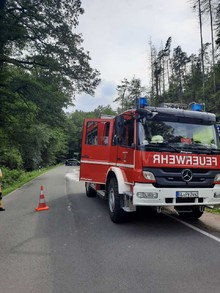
column 150, row 176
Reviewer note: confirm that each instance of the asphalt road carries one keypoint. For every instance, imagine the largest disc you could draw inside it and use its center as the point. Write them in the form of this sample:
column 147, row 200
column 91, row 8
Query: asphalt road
column 74, row 247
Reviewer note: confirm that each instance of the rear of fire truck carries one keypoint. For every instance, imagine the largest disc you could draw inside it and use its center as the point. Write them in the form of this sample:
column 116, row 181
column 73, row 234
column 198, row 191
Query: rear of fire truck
column 158, row 157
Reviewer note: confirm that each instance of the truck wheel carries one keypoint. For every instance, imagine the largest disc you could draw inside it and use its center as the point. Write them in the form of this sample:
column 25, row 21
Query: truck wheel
column 90, row 192
column 194, row 213
column 117, row 214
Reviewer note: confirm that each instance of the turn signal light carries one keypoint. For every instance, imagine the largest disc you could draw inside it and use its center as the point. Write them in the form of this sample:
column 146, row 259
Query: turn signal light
column 217, row 179
column 149, row 195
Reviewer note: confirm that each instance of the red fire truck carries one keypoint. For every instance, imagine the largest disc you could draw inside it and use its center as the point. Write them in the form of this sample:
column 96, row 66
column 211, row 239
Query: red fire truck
column 153, row 156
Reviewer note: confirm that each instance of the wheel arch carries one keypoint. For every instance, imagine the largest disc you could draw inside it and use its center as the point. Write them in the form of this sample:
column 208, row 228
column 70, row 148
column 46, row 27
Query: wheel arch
column 120, row 177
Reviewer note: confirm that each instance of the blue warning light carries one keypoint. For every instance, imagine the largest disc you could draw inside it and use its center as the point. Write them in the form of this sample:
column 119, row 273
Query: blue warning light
column 197, row 107
column 142, row 102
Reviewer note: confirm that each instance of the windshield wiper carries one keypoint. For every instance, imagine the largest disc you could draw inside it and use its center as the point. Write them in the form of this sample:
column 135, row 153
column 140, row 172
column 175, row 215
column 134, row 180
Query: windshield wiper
column 163, row 146
column 196, row 147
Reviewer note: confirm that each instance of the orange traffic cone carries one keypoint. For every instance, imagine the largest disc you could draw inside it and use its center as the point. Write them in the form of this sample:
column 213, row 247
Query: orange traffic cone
column 42, row 203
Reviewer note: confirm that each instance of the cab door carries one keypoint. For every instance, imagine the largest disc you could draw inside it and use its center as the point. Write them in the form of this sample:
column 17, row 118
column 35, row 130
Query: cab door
column 126, row 148
column 95, row 152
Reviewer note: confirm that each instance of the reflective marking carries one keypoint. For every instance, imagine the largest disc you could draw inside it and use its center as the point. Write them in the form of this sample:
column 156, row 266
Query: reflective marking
column 125, row 165
column 195, row 228
column 131, row 166
column 98, row 163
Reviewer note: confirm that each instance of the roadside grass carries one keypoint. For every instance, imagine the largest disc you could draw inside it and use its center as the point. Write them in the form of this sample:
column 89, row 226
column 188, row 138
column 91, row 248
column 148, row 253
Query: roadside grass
column 13, row 179
column 215, row 210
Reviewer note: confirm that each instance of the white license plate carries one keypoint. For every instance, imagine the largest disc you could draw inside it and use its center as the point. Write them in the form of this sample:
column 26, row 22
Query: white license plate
column 187, row 194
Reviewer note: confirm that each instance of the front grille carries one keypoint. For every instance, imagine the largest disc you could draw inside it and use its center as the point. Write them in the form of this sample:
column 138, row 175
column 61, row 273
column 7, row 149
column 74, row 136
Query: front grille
column 172, row 178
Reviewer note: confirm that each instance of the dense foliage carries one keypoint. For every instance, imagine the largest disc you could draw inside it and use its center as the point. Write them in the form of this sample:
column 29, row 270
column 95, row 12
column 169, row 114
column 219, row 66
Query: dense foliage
column 42, row 66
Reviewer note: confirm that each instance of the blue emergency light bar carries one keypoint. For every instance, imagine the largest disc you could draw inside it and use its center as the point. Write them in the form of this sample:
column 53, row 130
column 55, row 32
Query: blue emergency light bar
column 197, row 107
column 141, row 103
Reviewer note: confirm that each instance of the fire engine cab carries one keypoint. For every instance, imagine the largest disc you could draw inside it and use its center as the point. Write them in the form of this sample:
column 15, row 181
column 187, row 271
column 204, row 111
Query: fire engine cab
column 153, row 156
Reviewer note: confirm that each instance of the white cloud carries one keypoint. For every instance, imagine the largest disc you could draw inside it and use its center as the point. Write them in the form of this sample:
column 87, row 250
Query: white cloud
column 105, row 95
column 117, row 33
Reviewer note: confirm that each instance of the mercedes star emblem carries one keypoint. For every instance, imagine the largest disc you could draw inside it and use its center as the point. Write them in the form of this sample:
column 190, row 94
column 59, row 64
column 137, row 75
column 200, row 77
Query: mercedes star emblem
column 186, row 175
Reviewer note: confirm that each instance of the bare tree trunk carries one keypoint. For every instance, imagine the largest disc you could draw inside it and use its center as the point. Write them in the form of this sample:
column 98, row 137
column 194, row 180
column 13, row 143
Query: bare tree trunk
column 168, row 71
column 152, row 57
column 202, row 50
column 164, row 87
column 213, row 45
column 2, row 41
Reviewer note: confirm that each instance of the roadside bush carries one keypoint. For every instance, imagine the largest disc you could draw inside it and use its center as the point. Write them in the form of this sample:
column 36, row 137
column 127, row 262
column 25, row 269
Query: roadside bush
column 10, row 177
column 11, row 158
column 13, row 179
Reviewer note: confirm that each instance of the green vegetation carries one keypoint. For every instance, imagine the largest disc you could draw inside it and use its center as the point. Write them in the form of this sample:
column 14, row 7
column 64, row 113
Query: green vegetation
column 215, row 211
column 13, row 179
column 42, row 66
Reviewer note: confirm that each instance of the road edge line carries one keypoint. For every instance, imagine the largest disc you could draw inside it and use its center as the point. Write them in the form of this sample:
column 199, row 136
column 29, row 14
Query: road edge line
column 194, row 228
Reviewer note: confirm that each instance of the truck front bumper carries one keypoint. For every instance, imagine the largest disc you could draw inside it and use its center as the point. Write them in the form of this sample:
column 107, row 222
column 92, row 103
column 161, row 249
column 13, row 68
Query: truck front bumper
column 148, row 195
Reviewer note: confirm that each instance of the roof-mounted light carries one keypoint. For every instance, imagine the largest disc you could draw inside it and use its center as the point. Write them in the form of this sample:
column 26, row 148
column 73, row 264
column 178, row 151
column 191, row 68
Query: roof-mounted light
column 197, row 107
column 142, row 103
column 174, row 105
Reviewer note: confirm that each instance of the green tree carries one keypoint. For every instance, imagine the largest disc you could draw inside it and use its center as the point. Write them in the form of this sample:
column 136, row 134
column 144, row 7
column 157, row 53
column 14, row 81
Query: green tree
column 122, row 90
column 74, row 127
column 179, row 63
column 42, row 66
column 105, row 110
column 160, row 72
column 128, row 92
column 41, row 34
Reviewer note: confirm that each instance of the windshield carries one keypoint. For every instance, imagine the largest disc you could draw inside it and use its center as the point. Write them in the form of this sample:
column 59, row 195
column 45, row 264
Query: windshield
column 176, row 134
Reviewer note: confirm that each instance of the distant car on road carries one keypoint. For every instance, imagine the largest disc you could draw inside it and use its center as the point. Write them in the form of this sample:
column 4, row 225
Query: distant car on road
column 72, row 162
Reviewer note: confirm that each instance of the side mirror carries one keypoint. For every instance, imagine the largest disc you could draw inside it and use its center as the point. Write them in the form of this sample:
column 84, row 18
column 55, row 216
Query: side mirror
column 119, row 128
column 119, row 124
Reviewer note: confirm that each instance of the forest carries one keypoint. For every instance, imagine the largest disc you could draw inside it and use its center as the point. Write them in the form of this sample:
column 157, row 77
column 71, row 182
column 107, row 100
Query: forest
column 43, row 65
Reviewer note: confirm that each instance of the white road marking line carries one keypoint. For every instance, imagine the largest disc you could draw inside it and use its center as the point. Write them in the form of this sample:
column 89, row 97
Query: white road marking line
column 195, row 228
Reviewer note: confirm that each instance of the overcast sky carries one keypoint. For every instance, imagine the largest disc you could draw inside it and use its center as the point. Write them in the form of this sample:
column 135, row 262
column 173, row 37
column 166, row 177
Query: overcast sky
column 117, row 35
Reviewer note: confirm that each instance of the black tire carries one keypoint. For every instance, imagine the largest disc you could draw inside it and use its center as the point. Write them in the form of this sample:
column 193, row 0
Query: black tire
column 194, row 213
column 90, row 192
column 117, row 214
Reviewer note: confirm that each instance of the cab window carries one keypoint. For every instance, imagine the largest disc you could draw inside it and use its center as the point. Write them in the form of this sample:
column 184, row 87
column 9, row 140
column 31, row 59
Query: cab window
column 97, row 133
